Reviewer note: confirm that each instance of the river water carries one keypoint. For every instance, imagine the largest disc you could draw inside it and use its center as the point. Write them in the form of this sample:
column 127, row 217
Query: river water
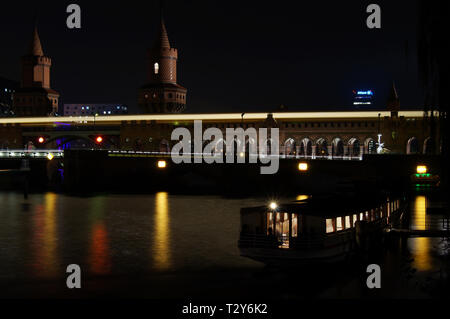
column 168, row 246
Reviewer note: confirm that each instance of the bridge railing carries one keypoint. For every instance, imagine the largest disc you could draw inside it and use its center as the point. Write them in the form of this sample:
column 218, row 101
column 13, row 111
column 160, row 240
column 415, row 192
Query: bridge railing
column 31, row 154
column 129, row 153
column 42, row 153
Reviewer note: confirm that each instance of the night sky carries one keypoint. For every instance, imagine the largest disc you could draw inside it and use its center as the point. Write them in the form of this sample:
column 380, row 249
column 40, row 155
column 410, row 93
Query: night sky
column 233, row 55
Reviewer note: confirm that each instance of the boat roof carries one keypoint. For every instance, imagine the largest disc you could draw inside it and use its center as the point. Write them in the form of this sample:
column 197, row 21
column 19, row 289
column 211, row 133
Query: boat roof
column 328, row 206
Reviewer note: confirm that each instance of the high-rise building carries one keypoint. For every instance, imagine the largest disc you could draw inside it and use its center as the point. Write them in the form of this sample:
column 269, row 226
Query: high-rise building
column 162, row 93
column 7, row 89
column 35, row 97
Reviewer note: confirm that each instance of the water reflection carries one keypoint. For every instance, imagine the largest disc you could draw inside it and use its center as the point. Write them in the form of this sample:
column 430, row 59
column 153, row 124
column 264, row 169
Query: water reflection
column 419, row 213
column 144, row 234
column 44, row 243
column 420, row 248
column 99, row 255
column 161, row 235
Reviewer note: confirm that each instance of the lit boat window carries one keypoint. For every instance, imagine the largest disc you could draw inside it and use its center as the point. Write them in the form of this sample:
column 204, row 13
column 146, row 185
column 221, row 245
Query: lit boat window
column 348, row 224
column 278, row 225
column 330, row 226
column 355, row 219
column 294, row 222
column 339, row 225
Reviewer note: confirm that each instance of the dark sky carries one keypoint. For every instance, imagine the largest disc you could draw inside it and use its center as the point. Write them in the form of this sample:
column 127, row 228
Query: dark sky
column 234, row 55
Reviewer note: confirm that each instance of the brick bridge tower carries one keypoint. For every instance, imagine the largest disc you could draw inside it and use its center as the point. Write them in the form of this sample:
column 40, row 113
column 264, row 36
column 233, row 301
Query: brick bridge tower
column 35, row 97
column 162, row 94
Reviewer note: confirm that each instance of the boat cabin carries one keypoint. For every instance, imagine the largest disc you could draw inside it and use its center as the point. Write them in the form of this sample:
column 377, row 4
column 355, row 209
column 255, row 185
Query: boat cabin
column 314, row 220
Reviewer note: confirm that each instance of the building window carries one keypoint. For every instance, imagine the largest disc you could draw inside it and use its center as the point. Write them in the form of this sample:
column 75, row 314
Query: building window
column 156, row 67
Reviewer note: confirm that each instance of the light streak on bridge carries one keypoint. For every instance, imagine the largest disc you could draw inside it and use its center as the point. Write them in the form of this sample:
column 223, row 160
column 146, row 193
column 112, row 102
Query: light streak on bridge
column 204, row 117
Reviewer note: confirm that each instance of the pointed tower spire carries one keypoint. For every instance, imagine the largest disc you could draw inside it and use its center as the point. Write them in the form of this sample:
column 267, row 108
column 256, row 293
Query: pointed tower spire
column 393, row 102
column 393, row 96
column 35, row 96
column 36, row 46
column 162, row 41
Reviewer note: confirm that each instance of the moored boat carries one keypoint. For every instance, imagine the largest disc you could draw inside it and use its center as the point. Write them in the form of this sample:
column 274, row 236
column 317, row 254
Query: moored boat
column 317, row 229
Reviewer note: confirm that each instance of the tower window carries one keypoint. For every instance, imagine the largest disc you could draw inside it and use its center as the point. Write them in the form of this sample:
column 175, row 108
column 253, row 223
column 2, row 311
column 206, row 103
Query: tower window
column 156, row 67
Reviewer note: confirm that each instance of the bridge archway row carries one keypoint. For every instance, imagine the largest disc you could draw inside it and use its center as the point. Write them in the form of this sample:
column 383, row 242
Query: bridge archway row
column 336, row 145
column 307, row 146
column 415, row 146
column 312, row 145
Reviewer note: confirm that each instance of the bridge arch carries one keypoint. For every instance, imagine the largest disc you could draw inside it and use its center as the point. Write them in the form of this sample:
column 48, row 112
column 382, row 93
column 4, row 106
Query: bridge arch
column 337, row 147
column 71, row 142
column 354, row 147
column 251, row 147
column 322, row 147
column 428, row 146
column 267, row 147
column 412, row 146
column 290, row 146
column 220, row 146
column 370, row 146
column 306, row 147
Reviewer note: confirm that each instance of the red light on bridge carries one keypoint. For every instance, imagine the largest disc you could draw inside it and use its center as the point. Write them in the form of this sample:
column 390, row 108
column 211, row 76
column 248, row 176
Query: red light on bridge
column 41, row 140
column 99, row 139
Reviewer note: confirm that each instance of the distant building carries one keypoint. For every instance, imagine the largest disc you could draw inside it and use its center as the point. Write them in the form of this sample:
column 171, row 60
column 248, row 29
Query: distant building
column 93, row 109
column 162, row 93
column 35, row 97
column 7, row 88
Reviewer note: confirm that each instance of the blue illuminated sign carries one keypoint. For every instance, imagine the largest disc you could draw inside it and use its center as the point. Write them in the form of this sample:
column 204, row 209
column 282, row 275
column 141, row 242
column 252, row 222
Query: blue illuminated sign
column 365, row 92
column 363, row 97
